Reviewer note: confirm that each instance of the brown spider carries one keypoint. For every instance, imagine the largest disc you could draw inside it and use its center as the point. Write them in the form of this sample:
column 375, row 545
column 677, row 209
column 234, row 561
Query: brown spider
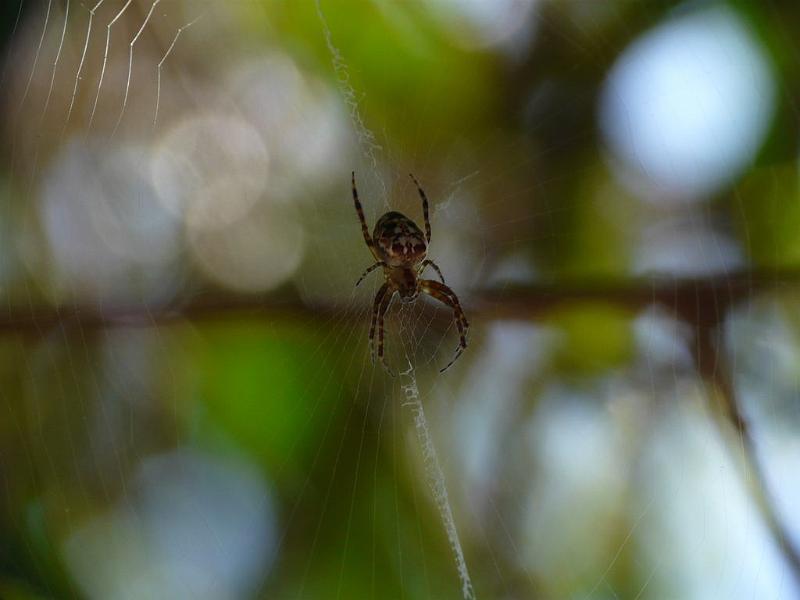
column 400, row 248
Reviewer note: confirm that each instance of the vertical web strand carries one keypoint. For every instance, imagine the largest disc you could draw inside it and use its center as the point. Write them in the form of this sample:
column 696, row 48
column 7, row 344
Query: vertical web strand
column 435, row 478
column 434, row 474
column 366, row 138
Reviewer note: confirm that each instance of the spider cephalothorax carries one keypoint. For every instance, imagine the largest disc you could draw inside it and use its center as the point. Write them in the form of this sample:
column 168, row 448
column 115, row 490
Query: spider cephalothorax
column 400, row 247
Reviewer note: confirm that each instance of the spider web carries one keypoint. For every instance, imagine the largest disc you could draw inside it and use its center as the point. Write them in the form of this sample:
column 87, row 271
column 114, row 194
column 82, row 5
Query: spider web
column 190, row 401
column 409, row 385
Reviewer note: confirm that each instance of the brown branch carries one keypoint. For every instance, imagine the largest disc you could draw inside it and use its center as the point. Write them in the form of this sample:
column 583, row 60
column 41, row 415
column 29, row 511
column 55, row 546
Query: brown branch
column 694, row 299
column 708, row 359
column 703, row 300
column 39, row 320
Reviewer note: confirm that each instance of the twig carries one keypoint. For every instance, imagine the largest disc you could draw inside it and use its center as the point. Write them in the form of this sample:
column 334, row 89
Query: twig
column 702, row 302
column 697, row 300
column 710, row 365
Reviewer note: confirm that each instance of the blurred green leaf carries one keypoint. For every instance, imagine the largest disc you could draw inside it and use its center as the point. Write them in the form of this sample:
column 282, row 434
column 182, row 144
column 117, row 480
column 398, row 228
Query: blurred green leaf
column 766, row 210
column 269, row 386
column 402, row 65
column 596, row 338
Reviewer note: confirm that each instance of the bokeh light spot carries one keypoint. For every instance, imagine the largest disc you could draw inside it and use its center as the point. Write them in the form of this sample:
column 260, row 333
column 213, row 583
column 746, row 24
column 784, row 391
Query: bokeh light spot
column 687, row 105
column 254, row 254
column 197, row 526
column 215, row 167
column 108, row 236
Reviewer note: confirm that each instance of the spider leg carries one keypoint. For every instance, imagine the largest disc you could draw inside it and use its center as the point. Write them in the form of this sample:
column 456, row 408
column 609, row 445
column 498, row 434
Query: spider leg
column 424, row 209
column 370, row 270
column 447, row 296
column 376, row 307
column 440, row 291
column 364, row 228
column 382, row 301
column 429, row 263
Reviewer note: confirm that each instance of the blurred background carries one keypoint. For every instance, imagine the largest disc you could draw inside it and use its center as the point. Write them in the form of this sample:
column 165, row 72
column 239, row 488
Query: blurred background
column 188, row 408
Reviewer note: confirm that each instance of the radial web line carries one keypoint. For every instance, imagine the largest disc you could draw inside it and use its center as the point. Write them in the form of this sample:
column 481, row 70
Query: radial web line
column 55, row 65
column 80, row 64
column 366, row 139
column 435, row 477
column 28, row 85
column 49, row 96
column 105, row 59
column 36, row 56
column 181, row 29
column 130, row 64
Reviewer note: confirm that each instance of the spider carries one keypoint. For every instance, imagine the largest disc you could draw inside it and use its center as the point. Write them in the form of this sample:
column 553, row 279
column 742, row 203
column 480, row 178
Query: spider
column 400, row 248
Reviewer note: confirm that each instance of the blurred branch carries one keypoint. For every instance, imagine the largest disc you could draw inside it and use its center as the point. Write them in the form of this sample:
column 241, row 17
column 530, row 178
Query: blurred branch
column 700, row 300
column 710, row 365
column 38, row 321
column 703, row 302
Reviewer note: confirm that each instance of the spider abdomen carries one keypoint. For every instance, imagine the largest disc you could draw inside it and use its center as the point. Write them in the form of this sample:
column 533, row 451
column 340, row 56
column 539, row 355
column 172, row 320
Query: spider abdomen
column 399, row 240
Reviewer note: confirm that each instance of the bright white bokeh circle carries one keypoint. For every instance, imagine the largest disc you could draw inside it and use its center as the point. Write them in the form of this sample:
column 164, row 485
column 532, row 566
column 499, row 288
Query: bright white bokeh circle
column 686, row 107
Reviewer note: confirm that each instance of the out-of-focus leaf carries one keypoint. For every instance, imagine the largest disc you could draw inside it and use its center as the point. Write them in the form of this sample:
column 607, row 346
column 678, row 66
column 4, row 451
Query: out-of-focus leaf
column 766, row 210
column 596, row 337
column 16, row 590
column 263, row 385
column 402, row 66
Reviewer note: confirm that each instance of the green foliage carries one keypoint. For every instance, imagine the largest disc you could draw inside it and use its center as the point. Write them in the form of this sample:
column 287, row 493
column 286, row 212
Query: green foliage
column 766, row 210
column 260, row 384
column 595, row 338
column 410, row 78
